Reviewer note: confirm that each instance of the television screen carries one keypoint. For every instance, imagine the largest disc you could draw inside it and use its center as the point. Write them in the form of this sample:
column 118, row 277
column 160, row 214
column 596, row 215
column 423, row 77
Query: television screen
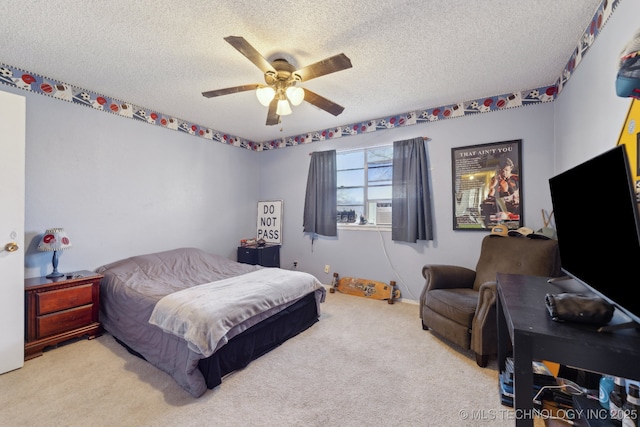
column 596, row 218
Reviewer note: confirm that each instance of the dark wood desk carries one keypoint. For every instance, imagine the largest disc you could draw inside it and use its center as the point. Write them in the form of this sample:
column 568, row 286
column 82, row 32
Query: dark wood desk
column 523, row 318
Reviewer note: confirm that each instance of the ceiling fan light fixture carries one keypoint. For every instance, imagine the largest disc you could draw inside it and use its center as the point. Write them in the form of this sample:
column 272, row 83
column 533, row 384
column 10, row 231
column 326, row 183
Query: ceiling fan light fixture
column 284, row 108
column 295, row 95
column 265, row 95
column 281, row 77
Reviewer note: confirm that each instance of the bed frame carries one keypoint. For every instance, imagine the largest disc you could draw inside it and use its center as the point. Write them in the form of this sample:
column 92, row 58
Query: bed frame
column 255, row 341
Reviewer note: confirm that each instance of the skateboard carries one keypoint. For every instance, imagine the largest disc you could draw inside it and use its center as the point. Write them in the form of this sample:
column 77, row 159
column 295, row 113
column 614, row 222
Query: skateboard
column 365, row 288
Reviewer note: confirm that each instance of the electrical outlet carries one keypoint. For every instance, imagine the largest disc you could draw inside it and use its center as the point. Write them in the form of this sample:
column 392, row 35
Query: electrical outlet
column 326, row 268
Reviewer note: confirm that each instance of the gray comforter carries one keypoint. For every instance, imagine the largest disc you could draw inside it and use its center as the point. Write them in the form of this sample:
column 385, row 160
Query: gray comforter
column 132, row 288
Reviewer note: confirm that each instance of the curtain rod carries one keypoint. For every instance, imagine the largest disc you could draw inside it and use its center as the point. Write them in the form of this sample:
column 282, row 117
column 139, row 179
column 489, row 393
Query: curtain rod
column 424, row 138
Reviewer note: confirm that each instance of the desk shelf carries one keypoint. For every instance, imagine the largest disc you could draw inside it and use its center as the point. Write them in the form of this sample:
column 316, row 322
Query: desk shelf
column 523, row 321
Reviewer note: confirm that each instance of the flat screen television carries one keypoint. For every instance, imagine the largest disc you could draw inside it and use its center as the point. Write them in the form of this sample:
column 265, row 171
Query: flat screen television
column 597, row 224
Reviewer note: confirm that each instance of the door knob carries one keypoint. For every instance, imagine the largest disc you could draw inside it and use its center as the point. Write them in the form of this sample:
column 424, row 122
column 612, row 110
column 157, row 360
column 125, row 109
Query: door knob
column 11, row 247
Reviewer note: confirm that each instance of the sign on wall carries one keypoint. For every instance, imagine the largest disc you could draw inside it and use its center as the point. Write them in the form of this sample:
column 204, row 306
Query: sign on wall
column 270, row 221
column 630, row 138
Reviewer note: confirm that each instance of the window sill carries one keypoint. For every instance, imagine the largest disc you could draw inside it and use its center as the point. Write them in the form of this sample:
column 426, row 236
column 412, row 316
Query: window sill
column 364, row 227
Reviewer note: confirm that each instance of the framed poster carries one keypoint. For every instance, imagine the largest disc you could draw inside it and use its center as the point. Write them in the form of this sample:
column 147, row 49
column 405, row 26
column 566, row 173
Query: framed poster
column 487, row 186
column 270, row 222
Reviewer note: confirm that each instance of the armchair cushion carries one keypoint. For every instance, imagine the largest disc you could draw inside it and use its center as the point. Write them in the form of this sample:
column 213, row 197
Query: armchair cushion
column 458, row 305
column 516, row 255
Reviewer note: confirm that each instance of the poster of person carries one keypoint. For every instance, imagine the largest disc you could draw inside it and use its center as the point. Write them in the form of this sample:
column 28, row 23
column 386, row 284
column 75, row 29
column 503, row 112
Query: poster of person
column 487, row 186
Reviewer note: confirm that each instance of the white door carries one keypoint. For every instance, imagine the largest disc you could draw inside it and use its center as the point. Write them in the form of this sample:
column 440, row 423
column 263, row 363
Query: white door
column 12, row 160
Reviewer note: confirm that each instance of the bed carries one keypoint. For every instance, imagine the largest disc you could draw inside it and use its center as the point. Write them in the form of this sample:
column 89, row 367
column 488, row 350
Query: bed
column 199, row 316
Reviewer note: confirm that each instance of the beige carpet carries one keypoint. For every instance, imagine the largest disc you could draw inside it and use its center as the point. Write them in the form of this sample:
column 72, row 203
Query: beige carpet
column 366, row 363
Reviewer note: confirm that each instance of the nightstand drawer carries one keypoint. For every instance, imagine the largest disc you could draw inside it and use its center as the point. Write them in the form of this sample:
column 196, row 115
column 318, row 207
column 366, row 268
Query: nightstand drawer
column 61, row 299
column 64, row 320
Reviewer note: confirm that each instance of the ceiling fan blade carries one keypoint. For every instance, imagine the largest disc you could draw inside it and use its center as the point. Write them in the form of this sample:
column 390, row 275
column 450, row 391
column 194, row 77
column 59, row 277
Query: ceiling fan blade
column 322, row 102
column 229, row 90
column 272, row 117
column 250, row 52
column 326, row 66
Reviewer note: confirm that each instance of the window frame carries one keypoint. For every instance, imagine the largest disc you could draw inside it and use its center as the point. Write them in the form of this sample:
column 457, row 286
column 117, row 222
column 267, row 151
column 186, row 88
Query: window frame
column 366, row 185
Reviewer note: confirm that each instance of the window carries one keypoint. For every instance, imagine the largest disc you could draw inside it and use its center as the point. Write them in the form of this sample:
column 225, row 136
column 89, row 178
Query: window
column 364, row 185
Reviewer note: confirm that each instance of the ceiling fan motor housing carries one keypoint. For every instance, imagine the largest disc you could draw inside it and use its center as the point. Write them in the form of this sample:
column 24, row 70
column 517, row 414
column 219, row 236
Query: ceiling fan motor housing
column 283, row 77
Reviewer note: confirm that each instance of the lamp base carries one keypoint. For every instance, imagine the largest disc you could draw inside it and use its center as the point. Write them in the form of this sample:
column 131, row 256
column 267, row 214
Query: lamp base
column 54, row 275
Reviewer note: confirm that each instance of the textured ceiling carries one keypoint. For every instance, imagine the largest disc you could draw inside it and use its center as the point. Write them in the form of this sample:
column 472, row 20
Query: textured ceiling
column 407, row 55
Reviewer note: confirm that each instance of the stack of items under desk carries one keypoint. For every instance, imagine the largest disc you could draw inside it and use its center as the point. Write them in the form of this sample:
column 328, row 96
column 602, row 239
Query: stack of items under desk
column 542, row 376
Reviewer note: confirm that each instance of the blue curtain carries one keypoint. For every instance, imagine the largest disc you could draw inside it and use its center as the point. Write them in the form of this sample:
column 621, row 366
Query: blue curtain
column 411, row 216
column 320, row 203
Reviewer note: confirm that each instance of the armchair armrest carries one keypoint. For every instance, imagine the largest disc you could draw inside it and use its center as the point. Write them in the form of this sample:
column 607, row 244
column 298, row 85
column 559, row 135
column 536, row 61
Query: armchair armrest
column 484, row 334
column 486, row 299
column 446, row 277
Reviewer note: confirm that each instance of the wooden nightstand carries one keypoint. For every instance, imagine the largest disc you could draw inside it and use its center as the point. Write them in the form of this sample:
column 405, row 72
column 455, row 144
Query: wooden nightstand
column 60, row 309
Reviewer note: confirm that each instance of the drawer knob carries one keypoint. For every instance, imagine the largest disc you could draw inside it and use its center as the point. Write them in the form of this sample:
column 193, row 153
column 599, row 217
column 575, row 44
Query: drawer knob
column 11, row 247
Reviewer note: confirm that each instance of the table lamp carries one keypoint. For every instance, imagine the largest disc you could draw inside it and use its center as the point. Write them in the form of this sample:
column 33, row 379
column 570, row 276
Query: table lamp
column 54, row 239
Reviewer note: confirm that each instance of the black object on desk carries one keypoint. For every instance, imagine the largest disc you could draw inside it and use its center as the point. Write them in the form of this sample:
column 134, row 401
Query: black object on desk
column 266, row 256
column 524, row 320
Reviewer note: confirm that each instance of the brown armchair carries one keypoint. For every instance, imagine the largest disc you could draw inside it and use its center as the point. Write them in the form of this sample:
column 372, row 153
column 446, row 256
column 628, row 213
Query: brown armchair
column 458, row 304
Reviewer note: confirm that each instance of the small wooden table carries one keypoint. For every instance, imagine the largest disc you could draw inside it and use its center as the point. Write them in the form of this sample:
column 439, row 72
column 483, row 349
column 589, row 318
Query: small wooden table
column 57, row 310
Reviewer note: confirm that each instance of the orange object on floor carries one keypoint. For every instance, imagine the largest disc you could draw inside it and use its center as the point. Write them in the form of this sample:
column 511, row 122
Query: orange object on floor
column 365, row 288
column 553, row 367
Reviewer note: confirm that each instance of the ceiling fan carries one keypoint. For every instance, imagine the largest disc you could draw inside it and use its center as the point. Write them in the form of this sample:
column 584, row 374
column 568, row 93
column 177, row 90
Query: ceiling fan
column 281, row 78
